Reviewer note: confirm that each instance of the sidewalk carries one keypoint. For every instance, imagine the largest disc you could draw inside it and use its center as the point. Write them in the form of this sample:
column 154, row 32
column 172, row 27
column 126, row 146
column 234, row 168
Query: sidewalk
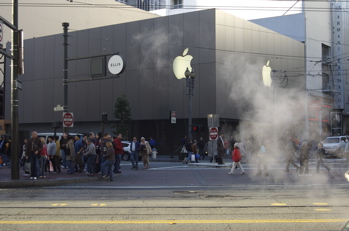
column 53, row 179
column 203, row 173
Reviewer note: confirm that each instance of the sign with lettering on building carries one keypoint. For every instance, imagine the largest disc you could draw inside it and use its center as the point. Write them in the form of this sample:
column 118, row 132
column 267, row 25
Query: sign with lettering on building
column 116, row 65
column 338, row 49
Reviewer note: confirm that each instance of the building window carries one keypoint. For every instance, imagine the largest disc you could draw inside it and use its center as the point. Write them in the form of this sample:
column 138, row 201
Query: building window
column 177, row 4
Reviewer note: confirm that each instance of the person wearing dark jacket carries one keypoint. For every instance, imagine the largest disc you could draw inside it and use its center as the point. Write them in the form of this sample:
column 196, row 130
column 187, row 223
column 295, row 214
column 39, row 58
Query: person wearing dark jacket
column 109, row 158
column 119, row 150
column 320, row 158
column 290, row 151
column 189, row 152
column 201, row 146
column 33, row 149
column 220, row 149
column 134, row 148
column 63, row 142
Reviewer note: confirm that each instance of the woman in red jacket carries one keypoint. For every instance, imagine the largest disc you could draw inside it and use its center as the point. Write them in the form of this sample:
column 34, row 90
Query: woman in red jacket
column 236, row 156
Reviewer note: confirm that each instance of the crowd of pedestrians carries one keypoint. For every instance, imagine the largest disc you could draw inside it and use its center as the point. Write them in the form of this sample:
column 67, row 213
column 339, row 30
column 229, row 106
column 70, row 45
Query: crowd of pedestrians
column 92, row 154
column 260, row 152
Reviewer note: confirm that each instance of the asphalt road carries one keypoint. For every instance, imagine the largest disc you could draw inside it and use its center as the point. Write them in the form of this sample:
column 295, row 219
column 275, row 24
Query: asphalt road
column 180, row 206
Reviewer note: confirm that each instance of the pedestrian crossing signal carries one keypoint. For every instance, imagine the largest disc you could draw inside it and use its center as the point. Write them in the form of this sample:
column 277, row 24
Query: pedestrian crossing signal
column 195, row 128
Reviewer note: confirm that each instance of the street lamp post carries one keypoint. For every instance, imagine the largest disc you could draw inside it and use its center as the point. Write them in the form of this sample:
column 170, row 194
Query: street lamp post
column 190, row 77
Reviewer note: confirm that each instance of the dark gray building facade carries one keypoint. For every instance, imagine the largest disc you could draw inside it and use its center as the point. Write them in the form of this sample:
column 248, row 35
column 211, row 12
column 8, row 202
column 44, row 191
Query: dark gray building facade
column 228, row 56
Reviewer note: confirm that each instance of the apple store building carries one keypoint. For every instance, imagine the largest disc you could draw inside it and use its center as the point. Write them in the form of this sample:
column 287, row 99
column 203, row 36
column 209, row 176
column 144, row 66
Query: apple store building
column 252, row 78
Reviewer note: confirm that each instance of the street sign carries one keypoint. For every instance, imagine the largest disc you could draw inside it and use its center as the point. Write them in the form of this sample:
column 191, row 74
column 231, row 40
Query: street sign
column 68, row 119
column 58, row 108
column 213, row 131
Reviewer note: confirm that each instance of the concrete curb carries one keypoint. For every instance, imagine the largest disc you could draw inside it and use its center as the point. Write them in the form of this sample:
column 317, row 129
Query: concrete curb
column 44, row 183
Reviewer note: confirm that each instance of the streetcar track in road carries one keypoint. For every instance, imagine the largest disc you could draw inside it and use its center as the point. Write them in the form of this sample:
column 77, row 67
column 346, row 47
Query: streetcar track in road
column 83, row 222
column 107, row 206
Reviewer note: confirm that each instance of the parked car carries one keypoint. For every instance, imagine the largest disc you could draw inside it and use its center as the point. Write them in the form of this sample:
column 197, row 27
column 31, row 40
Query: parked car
column 127, row 151
column 334, row 145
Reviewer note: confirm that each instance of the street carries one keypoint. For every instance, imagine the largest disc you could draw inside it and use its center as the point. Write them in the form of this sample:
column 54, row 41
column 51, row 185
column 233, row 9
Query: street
column 173, row 196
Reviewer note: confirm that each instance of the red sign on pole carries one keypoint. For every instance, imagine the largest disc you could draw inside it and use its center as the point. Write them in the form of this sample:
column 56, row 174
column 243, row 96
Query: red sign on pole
column 213, row 133
column 68, row 119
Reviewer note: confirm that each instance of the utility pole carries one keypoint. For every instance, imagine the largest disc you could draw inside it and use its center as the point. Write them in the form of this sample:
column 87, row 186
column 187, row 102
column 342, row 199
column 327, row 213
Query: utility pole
column 65, row 70
column 14, row 95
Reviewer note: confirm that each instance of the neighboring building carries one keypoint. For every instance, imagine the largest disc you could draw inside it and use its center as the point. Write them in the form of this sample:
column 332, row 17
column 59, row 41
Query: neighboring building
column 229, row 55
column 318, row 24
column 45, row 17
column 323, row 27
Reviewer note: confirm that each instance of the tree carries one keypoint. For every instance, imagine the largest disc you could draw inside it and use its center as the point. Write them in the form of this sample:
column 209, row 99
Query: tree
column 122, row 112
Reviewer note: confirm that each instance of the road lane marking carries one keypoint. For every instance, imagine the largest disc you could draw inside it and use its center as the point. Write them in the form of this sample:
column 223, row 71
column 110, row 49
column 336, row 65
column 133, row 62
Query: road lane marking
column 98, row 204
column 278, row 204
column 320, row 204
column 181, row 221
column 59, row 204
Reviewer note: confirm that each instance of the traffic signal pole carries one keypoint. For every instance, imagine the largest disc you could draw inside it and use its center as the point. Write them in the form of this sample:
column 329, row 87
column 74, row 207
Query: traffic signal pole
column 14, row 96
column 65, row 70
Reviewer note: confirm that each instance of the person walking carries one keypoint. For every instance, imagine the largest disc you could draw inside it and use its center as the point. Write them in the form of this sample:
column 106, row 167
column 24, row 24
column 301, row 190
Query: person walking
column 33, row 149
column 90, row 154
column 134, row 148
column 236, row 156
column 51, row 151
column 63, row 142
column 189, row 152
column 220, row 149
column 262, row 155
column 119, row 151
column 320, row 158
column 70, row 155
column 304, row 159
column 201, row 146
column 290, row 152
column 194, row 149
column 43, row 158
column 109, row 160
column 145, row 150
column 57, row 157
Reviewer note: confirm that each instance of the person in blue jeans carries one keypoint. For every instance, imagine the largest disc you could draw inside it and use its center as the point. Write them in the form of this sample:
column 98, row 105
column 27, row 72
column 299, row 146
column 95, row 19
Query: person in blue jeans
column 108, row 164
column 33, row 149
column 134, row 148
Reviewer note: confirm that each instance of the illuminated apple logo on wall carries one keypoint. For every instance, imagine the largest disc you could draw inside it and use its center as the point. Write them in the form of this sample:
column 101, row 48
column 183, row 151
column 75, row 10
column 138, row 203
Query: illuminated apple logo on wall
column 266, row 74
column 181, row 63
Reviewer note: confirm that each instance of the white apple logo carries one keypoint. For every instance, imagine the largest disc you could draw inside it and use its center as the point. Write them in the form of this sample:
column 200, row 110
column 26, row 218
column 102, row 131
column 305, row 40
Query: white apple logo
column 266, row 74
column 181, row 63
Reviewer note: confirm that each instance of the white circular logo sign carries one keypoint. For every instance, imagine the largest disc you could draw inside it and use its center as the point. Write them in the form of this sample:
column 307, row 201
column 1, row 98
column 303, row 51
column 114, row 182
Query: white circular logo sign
column 116, row 64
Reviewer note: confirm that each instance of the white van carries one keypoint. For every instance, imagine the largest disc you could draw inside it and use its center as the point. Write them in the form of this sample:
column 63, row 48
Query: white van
column 58, row 134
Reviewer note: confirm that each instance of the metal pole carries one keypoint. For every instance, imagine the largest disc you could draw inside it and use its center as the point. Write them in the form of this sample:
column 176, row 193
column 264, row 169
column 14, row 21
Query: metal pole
column 65, row 70
column 14, row 96
column 190, row 135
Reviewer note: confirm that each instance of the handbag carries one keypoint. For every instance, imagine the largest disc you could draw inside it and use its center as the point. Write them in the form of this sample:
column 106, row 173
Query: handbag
column 184, row 150
column 197, row 155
